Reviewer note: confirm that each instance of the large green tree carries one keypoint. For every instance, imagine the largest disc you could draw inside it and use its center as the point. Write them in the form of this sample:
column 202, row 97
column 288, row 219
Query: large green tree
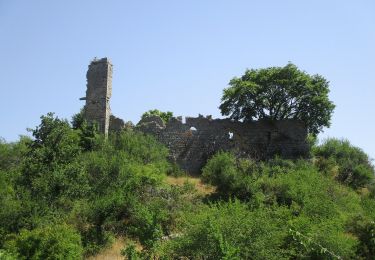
column 278, row 93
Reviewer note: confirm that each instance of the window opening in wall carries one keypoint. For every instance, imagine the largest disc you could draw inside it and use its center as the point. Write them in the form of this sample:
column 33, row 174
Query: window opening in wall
column 230, row 135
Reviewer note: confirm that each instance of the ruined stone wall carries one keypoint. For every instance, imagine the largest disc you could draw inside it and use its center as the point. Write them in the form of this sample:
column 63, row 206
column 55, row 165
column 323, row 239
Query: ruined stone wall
column 98, row 93
column 192, row 143
column 116, row 124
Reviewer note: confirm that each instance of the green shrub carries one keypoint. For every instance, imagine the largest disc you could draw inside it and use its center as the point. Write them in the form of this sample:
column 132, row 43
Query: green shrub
column 275, row 209
column 143, row 148
column 321, row 210
column 145, row 224
column 100, row 188
column 90, row 139
column 353, row 166
column 122, row 177
column 228, row 231
column 12, row 209
column 318, row 207
column 55, row 145
column 5, row 255
column 51, row 242
column 221, row 171
column 364, row 228
column 54, row 141
column 237, row 177
column 130, row 252
column 11, row 153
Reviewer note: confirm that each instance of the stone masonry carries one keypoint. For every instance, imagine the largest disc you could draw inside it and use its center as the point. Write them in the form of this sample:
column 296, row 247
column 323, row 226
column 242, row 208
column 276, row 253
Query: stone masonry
column 98, row 93
column 192, row 143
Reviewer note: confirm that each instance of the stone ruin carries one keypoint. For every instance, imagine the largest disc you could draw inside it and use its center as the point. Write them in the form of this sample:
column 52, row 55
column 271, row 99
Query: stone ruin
column 98, row 93
column 192, row 143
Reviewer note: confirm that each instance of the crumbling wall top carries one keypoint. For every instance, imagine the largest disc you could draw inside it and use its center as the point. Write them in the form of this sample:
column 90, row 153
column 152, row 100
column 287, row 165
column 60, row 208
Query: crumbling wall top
column 102, row 60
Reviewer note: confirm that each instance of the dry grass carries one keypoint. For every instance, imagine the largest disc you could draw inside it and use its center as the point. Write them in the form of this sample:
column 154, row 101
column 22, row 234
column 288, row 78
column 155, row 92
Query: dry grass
column 114, row 252
column 199, row 186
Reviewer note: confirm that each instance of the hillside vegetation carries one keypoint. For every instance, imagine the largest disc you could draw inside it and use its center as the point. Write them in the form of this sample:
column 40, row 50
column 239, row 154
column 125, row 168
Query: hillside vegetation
column 67, row 193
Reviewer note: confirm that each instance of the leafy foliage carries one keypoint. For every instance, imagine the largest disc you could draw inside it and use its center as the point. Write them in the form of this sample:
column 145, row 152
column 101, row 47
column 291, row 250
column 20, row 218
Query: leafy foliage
column 11, row 153
column 96, row 189
column 5, row 255
column 51, row 242
column 317, row 209
column 68, row 192
column 279, row 93
column 228, row 231
column 165, row 116
column 347, row 163
column 88, row 133
column 130, row 252
column 78, row 119
column 364, row 228
column 48, row 166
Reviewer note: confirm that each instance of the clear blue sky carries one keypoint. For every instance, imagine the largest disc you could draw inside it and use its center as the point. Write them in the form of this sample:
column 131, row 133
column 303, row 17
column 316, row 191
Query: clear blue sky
column 179, row 55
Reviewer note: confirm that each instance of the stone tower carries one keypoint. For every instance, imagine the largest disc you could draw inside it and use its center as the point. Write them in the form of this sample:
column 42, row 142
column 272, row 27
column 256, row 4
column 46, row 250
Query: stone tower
column 98, row 93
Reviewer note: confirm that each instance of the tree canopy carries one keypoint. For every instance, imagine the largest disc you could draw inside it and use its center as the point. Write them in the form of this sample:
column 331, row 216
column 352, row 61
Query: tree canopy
column 165, row 116
column 278, row 93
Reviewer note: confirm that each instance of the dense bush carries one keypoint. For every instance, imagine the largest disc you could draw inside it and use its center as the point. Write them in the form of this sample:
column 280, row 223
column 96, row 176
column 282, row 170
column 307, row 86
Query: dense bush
column 101, row 188
column 237, row 177
column 5, row 255
column 68, row 192
column 347, row 163
column 319, row 210
column 228, row 231
column 89, row 138
column 221, row 171
column 49, row 169
column 11, row 154
column 51, row 242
